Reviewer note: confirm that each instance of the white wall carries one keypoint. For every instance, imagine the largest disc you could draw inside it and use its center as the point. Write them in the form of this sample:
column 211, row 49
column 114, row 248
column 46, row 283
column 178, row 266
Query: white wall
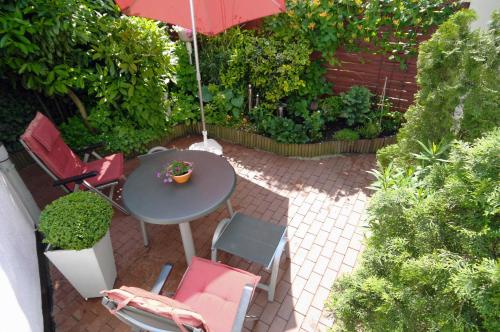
column 483, row 8
column 20, row 304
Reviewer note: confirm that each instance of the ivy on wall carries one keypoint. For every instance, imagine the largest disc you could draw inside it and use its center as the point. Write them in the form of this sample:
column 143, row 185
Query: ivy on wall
column 389, row 27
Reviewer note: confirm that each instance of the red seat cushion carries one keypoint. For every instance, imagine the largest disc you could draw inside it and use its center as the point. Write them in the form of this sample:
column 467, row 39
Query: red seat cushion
column 214, row 290
column 109, row 169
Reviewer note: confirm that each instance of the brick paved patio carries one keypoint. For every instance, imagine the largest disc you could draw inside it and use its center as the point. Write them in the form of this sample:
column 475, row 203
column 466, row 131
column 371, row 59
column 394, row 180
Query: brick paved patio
column 322, row 202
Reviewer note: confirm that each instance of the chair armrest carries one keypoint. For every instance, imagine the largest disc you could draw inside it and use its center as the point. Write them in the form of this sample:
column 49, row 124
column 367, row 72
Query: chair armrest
column 78, row 179
column 246, row 296
column 162, row 278
column 90, row 148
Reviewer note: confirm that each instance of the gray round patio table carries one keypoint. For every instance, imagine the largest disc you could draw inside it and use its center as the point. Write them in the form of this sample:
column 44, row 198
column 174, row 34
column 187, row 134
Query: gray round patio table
column 150, row 200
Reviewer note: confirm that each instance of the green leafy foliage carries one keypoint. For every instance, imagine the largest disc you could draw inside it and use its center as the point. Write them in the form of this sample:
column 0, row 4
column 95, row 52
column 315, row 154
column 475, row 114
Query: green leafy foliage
column 432, row 261
column 76, row 221
column 457, row 69
column 356, row 105
column 356, row 24
column 331, row 108
column 346, row 134
column 17, row 109
column 224, row 107
column 119, row 65
column 369, row 130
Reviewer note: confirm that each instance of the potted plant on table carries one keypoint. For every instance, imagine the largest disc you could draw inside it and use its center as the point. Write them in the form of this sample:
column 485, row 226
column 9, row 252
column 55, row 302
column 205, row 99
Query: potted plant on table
column 178, row 171
column 76, row 227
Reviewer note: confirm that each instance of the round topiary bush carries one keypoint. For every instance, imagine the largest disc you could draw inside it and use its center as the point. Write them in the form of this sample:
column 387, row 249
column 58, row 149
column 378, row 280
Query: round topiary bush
column 76, row 221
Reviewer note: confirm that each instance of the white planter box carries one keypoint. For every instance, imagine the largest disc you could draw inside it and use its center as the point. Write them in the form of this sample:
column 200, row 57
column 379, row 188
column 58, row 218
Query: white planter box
column 89, row 270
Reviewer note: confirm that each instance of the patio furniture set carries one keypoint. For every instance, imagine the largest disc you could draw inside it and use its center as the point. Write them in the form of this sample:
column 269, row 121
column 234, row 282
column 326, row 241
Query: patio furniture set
column 211, row 295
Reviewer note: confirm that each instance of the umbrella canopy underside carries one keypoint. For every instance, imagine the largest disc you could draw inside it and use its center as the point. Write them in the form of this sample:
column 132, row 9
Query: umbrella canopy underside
column 212, row 16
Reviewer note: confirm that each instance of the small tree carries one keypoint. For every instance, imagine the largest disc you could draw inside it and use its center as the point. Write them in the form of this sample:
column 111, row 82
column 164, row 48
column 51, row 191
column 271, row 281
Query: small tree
column 44, row 44
column 458, row 76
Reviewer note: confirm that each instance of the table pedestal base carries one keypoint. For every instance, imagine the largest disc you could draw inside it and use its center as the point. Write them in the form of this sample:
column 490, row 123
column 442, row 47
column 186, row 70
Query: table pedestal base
column 187, row 241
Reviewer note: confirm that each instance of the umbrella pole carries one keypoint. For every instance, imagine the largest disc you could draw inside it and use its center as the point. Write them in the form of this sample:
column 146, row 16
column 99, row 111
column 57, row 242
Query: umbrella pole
column 198, row 74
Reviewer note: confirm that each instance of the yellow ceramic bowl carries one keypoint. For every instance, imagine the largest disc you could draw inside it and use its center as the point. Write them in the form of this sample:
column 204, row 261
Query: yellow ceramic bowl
column 183, row 178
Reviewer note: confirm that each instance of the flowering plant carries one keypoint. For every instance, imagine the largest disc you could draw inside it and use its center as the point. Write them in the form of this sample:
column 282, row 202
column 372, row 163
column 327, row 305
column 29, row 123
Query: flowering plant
column 175, row 168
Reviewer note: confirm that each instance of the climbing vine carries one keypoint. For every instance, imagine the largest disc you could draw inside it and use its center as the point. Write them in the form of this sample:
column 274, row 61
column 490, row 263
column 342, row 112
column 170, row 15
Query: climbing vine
column 391, row 27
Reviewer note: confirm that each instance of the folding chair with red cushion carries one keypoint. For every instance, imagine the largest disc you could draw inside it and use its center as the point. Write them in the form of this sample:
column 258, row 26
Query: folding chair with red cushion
column 211, row 297
column 44, row 143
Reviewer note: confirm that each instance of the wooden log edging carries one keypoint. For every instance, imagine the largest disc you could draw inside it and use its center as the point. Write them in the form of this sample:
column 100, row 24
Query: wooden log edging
column 256, row 141
column 251, row 140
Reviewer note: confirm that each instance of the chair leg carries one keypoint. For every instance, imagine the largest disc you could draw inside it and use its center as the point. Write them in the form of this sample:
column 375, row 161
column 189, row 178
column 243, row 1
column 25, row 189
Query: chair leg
column 144, row 233
column 230, row 208
column 111, row 191
column 275, row 269
column 274, row 278
column 214, row 254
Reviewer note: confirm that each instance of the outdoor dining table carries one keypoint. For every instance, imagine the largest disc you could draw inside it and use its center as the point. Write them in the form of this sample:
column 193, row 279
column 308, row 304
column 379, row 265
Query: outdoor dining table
column 151, row 200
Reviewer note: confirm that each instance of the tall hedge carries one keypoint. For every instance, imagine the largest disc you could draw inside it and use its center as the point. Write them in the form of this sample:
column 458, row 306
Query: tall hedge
column 115, row 68
column 432, row 258
column 457, row 69
column 432, row 261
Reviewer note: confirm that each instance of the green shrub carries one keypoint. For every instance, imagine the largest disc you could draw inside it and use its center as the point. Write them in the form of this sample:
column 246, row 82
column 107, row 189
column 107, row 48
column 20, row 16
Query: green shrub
column 387, row 24
column 76, row 221
column 369, row 130
column 432, row 260
column 456, row 66
column 331, row 108
column 17, row 109
column 119, row 65
column 346, row 135
column 356, row 105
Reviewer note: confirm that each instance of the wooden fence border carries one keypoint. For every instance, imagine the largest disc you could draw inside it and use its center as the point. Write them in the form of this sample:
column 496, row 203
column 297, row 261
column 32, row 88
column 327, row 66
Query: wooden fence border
column 256, row 141
column 22, row 159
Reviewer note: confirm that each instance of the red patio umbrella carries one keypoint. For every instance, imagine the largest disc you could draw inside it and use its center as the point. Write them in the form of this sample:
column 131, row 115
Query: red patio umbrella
column 208, row 17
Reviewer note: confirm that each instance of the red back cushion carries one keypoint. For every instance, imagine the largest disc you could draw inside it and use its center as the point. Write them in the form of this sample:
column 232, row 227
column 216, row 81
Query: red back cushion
column 44, row 140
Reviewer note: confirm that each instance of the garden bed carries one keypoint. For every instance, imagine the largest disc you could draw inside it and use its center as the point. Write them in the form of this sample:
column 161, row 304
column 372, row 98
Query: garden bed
column 22, row 159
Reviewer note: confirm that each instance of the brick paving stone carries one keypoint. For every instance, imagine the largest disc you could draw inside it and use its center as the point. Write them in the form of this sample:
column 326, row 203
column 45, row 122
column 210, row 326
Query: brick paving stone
column 314, row 253
column 328, row 278
column 307, row 241
column 321, row 265
column 336, row 261
column 297, row 286
column 286, row 307
column 306, row 269
column 282, row 289
column 278, row 325
column 322, row 203
column 320, row 297
column 304, row 302
column 294, row 322
column 313, row 282
column 270, row 311
column 335, row 234
column 311, row 320
column 342, row 245
column 350, row 257
column 321, row 238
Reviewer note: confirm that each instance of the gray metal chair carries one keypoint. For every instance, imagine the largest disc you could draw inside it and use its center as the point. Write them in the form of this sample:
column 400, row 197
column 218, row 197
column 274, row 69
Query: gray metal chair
column 43, row 141
column 254, row 240
column 140, row 319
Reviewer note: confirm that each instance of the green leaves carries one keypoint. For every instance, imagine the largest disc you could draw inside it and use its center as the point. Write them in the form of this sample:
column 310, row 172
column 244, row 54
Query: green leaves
column 432, row 260
column 356, row 105
column 391, row 26
column 76, row 221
